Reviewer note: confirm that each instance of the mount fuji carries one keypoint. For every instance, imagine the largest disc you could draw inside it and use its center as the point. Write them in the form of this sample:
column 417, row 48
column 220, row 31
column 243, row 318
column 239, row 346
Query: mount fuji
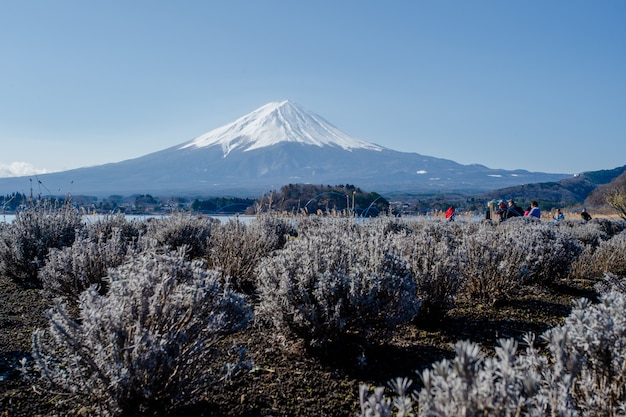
column 277, row 144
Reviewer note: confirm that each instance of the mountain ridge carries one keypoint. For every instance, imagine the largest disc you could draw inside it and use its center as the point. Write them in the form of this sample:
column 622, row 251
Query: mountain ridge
column 277, row 144
column 584, row 188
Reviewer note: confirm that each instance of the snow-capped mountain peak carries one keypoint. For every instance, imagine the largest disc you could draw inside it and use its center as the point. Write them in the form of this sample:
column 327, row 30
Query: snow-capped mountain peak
column 274, row 123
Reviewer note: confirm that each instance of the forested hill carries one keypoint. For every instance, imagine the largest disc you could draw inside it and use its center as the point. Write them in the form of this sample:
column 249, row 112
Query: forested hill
column 569, row 191
column 598, row 196
column 310, row 198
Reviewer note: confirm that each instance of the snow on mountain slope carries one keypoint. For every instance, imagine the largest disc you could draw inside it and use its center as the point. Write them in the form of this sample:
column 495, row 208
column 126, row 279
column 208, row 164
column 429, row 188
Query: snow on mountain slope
column 275, row 145
column 274, row 123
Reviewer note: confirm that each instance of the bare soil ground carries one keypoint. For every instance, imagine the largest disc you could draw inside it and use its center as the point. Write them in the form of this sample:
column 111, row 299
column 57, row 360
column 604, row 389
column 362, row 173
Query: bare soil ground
column 286, row 380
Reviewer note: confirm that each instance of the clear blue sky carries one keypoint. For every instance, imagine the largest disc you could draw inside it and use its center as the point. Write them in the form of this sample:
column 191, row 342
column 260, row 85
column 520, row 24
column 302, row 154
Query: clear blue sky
column 537, row 85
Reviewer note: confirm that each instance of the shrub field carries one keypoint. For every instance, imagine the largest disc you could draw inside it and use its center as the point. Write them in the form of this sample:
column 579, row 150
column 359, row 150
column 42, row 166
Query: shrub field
column 310, row 316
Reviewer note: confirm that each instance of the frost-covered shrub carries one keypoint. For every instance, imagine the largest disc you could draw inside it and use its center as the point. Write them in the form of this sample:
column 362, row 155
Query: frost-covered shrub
column 336, row 281
column 100, row 245
column 145, row 346
column 582, row 268
column 581, row 371
column 278, row 229
column 589, row 353
column 490, row 266
column 238, row 247
column 591, row 232
column 446, row 230
column 610, row 227
column 497, row 261
column 306, row 224
column 609, row 256
column 432, row 256
column 25, row 243
column 319, row 226
column 72, row 269
column 471, row 384
column 182, row 229
column 376, row 404
column 117, row 226
column 544, row 253
column 393, row 225
column 588, row 233
column 611, row 282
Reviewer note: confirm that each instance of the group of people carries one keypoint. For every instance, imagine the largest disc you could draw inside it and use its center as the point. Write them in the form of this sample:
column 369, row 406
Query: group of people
column 584, row 214
column 511, row 210
column 504, row 212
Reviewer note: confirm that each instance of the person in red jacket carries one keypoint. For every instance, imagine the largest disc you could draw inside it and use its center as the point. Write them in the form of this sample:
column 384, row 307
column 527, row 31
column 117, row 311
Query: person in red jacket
column 450, row 214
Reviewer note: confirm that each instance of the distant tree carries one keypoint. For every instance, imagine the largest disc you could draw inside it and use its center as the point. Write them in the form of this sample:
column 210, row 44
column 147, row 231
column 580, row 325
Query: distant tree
column 222, row 205
column 145, row 199
column 295, row 198
column 12, row 201
column 203, row 205
column 617, row 200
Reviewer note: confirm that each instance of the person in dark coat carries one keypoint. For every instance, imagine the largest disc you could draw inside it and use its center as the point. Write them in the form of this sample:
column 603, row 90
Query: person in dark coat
column 501, row 212
column 585, row 215
column 513, row 210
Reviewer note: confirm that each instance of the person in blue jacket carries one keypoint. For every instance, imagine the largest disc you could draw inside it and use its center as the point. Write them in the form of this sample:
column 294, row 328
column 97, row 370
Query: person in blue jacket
column 534, row 209
column 558, row 216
